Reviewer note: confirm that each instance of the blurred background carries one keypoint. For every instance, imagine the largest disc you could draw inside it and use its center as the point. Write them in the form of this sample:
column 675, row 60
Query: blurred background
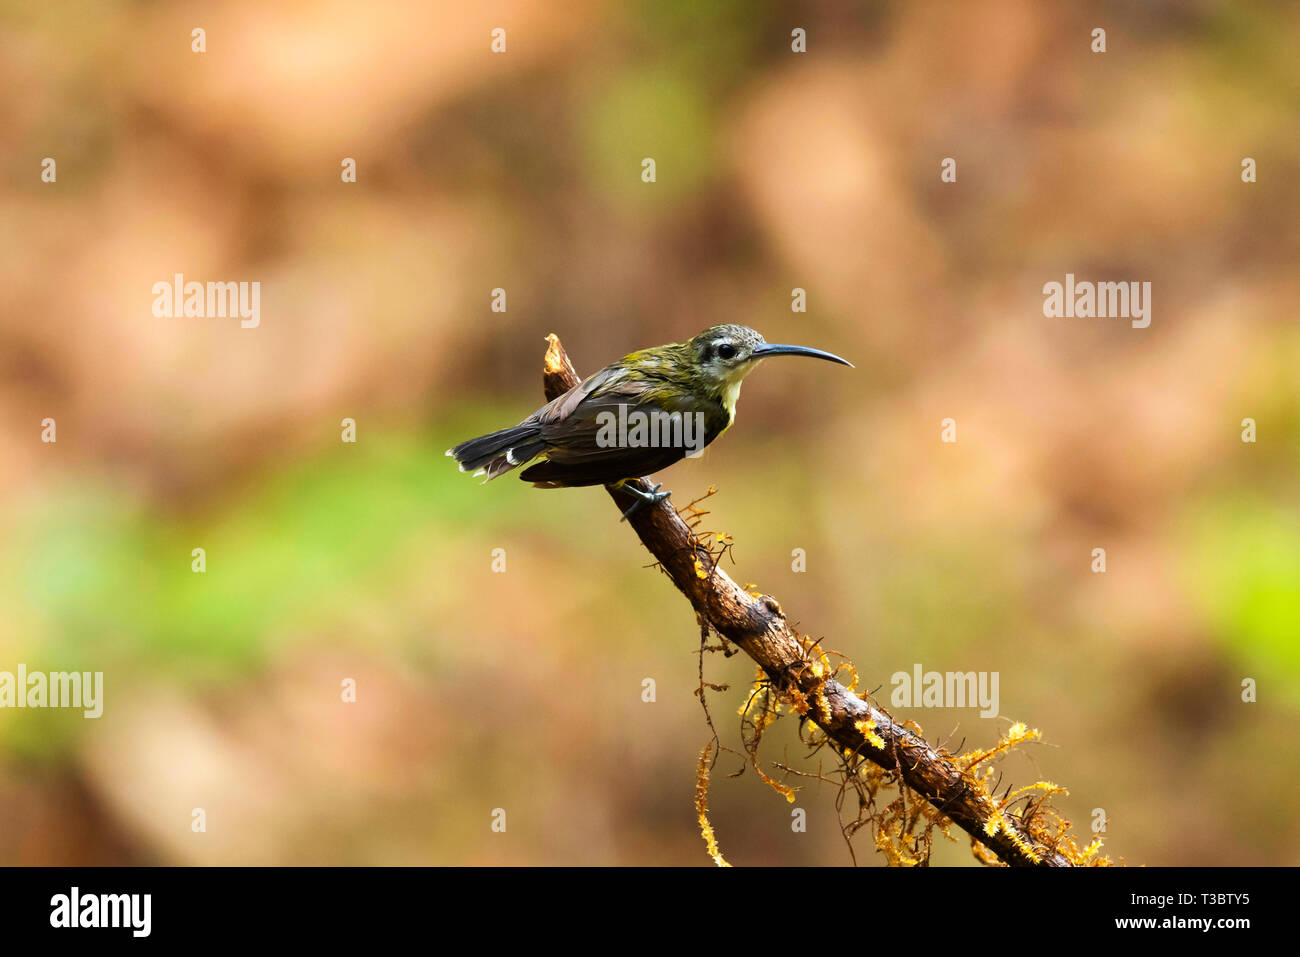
column 479, row 689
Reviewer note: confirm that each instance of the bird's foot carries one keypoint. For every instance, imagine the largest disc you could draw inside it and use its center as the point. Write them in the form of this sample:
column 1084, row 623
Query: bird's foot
column 652, row 497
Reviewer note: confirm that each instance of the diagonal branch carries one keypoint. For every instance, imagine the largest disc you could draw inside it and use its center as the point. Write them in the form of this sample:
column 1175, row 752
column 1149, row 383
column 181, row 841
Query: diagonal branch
column 759, row 628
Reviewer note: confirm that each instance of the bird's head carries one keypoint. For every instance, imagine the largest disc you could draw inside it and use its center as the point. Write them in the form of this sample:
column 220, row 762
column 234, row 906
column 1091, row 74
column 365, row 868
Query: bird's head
column 724, row 355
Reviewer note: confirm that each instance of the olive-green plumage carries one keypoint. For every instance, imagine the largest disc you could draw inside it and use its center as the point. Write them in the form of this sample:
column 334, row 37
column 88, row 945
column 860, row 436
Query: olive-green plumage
column 699, row 377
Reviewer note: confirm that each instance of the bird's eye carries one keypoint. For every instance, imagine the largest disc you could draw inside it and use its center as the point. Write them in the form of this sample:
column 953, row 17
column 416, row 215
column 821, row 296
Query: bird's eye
column 727, row 351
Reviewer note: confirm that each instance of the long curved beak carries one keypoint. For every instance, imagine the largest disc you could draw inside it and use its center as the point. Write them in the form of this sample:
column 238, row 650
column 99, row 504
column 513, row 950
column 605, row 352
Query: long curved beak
column 773, row 349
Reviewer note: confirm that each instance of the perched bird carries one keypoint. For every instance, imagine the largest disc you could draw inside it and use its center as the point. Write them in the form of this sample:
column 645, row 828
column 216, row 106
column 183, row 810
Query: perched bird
column 632, row 418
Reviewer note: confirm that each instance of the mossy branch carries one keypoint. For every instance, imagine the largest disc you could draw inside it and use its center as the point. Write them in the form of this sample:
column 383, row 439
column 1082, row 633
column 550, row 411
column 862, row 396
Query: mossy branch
column 759, row 628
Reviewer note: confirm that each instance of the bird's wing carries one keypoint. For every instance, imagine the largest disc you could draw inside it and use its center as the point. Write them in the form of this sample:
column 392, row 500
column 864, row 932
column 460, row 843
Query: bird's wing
column 575, row 423
column 571, row 430
column 563, row 406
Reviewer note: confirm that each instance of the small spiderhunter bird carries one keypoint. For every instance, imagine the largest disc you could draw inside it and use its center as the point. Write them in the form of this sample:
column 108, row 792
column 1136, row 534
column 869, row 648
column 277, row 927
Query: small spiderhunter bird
column 632, row 418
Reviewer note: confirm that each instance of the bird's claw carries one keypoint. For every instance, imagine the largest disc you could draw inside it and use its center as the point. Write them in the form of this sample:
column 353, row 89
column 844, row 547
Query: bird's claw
column 652, row 497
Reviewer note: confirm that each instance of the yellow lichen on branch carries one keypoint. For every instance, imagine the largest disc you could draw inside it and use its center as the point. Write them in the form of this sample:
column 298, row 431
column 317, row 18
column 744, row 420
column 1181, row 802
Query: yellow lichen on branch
column 760, row 710
column 702, row 807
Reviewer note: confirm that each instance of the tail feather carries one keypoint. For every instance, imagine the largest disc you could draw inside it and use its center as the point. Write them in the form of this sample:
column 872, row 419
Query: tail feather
column 498, row 452
column 513, row 457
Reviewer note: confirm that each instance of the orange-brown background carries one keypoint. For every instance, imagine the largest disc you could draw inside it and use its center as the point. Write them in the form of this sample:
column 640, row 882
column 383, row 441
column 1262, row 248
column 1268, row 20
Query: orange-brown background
column 522, row 690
